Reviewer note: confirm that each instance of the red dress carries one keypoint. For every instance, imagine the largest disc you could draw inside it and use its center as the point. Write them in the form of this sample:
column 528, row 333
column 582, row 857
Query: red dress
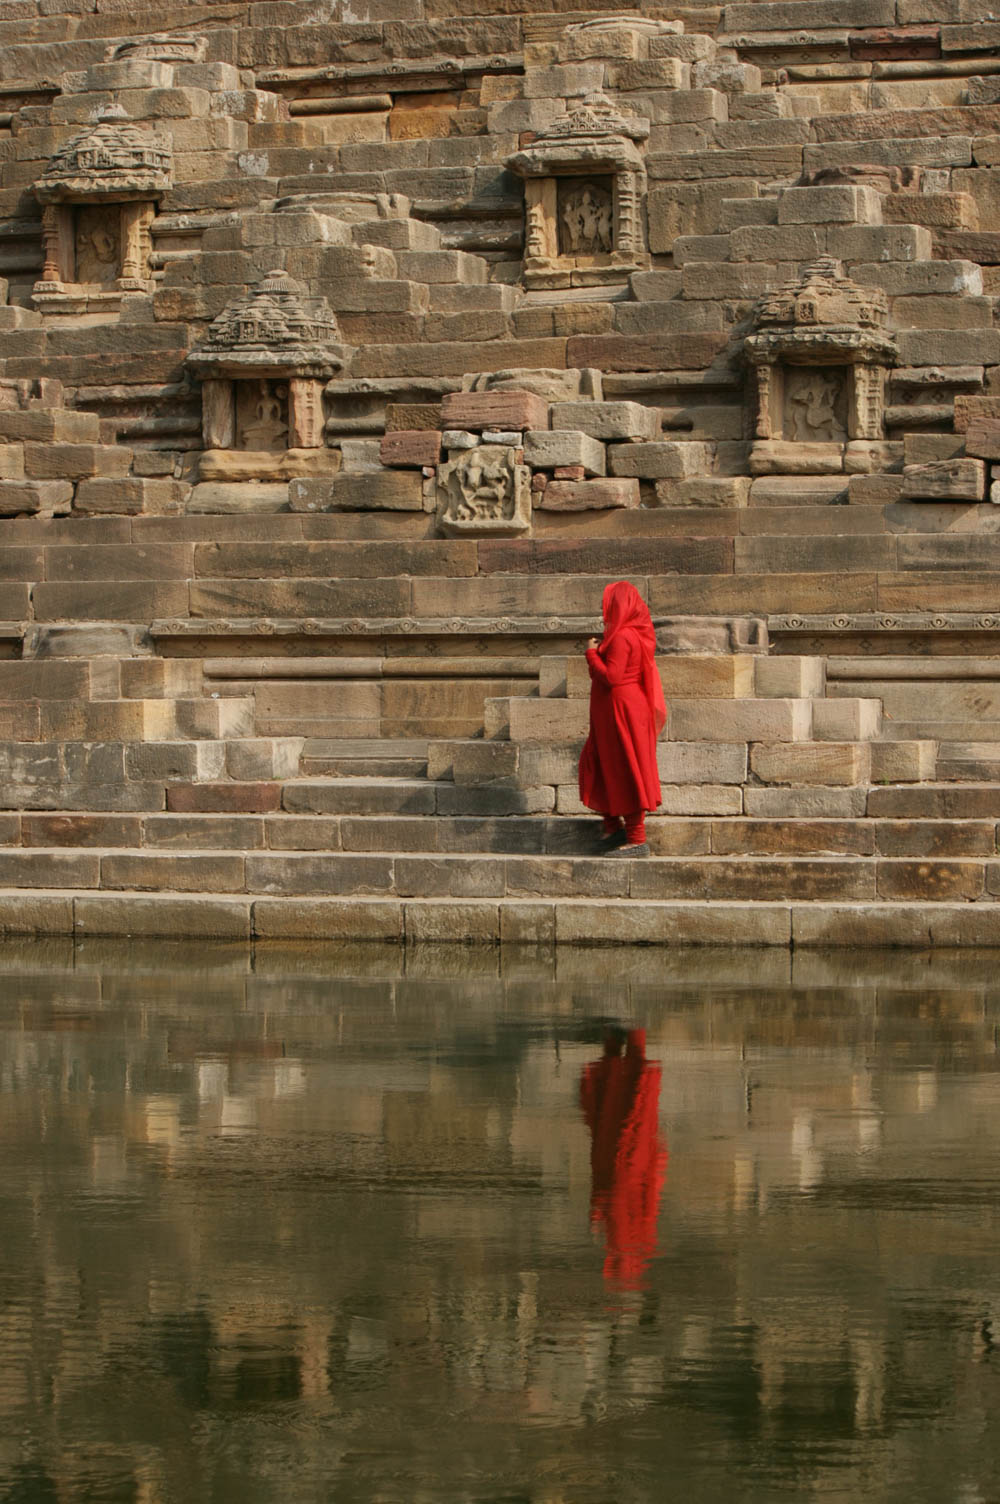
column 628, row 1159
column 618, row 772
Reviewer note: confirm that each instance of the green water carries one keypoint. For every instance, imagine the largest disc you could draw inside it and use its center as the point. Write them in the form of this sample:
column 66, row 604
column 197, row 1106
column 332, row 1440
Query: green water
column 373, row 1225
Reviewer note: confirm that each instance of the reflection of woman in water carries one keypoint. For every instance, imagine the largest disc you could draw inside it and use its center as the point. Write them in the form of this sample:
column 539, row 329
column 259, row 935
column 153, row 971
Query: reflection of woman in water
column 620, row 1097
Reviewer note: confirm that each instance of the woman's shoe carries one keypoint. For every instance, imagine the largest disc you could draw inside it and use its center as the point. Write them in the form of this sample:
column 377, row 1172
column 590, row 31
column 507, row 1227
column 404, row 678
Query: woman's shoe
column 610, row 842
column 626, row 848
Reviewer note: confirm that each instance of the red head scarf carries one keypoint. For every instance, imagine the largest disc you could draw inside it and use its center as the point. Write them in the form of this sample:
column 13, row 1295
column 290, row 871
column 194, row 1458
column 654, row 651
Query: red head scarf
column 622, row 606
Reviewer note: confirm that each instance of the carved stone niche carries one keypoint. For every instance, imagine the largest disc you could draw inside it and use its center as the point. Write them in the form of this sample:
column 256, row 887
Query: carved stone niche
column 263, row 365
column 484, row 493
column 98, row 195
column 584, row 186
column 819, row 355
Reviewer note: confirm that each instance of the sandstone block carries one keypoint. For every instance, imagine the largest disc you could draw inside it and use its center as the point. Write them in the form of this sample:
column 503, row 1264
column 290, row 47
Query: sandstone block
column 378, row 919
column 704, row 491
column 608, row 420
column 841, row 764
column 163, row 915
column 414, row 448
column 903, row 761
column 387, row 490
column 791, row 678
column 740, row 720
column 728, row 676
column 847, row 720
column 945, row 480
column 833, row 204
column 982, row 439
column 665, row 460
column 547, row 449
column 500, row 409
column 224, row 798
column 35, row 497
column 588, row 495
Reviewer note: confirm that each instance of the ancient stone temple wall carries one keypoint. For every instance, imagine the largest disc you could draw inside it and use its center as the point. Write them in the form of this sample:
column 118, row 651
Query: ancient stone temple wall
column 345, row 359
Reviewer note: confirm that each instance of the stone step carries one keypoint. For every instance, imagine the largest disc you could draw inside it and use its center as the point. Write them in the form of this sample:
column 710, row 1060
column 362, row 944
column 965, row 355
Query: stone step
column 323, row 874
column 346, row 757
column 130, row 720
column 276, row 830
column 969, row 761
column 87, row 913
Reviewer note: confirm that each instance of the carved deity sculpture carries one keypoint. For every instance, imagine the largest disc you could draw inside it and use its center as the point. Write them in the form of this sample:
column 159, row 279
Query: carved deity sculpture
column 484, row 492
column 585, row 220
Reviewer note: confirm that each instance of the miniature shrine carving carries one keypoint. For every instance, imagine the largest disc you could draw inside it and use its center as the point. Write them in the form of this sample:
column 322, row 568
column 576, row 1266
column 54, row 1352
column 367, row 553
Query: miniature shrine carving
column 263, row 364
column 819, row 355
column 484, row 491
column 584, row 182
column 98, row 195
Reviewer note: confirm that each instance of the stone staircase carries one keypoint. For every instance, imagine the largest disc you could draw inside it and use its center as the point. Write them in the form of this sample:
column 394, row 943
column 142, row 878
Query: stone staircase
column 212, row 783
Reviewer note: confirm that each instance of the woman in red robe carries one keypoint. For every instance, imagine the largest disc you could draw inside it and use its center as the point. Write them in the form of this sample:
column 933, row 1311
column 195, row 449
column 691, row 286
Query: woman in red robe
column 618, row 772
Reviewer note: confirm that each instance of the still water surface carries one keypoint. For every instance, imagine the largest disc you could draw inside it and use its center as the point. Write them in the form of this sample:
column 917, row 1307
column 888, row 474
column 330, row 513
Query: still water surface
column 363, row 1225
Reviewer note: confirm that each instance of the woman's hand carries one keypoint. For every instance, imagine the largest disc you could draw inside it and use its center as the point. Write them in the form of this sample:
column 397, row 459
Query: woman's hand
column 592, row 642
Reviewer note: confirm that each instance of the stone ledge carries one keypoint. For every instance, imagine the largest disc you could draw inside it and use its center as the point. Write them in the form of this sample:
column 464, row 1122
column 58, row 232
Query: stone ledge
column 572, row 922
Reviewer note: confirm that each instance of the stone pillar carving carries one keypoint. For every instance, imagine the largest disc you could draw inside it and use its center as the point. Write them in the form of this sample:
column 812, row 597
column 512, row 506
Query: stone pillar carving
column 305, row 414
column 218, row 415
column 57, row 242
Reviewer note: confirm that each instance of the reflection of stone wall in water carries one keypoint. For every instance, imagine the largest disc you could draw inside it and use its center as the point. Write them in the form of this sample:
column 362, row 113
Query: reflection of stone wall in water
column 815, row 404
column 262, row 414
column 585, row 218
column 97, row 243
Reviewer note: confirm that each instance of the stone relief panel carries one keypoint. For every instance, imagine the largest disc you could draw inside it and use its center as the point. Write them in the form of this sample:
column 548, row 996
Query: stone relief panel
column 484, row 492
column 815, row 404
column 262, row 414
column 97, row 246
column 586, row 216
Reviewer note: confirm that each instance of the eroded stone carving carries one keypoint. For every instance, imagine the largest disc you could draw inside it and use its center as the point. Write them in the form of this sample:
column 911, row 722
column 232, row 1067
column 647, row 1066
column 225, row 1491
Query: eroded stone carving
column 584, row 183
column 819, row 352
column 160, row 47
column 109, row 162
column 484, row 492
column 273, row 330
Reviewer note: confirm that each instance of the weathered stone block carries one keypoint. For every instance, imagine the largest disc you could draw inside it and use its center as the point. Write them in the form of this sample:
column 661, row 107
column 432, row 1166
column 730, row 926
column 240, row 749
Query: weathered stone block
column 499, row 410
column 831, row 763
column 414, row 448
column 833, row 204
column 547, row 449
column 945, row 480
column 588, row 495
column 660, row 461
column 608, row 420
